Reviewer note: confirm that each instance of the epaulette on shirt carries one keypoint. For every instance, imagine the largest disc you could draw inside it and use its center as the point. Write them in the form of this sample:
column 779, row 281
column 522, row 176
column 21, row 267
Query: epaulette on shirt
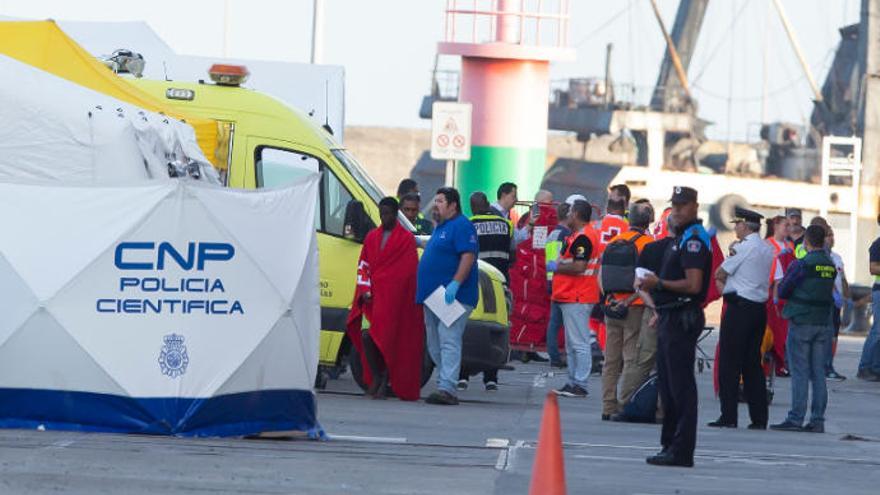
column 697, row 230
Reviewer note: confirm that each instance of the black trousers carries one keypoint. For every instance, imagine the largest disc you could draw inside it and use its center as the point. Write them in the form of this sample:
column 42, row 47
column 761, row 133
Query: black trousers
column 742, row 330
column 488, row 375
column 677, row 333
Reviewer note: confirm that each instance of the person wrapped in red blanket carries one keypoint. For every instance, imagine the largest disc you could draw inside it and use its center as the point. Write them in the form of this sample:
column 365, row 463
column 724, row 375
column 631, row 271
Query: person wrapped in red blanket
column 391, row 348
column 528, row 280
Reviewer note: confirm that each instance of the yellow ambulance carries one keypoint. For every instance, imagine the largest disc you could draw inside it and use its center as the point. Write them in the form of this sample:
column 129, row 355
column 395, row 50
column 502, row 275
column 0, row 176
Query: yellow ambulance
column 264, row 143
column 257, row 141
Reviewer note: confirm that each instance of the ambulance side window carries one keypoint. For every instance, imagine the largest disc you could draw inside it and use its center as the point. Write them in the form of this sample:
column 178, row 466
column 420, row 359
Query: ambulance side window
column 276, row 167
column 335, row 200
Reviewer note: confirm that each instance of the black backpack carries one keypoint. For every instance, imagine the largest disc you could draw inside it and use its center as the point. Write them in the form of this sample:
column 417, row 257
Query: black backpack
column 619, row 263
column 642, row 406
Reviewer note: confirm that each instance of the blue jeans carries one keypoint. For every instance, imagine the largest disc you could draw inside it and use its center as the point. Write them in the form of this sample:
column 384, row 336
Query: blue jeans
column 870, row 360
column 552, row 331
column 444, row 346
column 833, row 331
column 806, row 350
column 576, row 318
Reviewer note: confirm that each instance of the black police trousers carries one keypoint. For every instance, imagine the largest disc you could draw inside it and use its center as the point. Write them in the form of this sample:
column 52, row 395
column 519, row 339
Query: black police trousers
column 739, row 354
column 677, row 333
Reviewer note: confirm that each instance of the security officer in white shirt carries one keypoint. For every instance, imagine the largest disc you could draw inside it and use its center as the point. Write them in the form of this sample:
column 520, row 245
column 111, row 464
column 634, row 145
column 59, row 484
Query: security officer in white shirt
column 745, row 277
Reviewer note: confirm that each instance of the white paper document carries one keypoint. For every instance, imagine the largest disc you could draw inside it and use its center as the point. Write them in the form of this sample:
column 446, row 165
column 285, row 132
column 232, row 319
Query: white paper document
column 447, row 313
column 539, row 237
column 641, row 273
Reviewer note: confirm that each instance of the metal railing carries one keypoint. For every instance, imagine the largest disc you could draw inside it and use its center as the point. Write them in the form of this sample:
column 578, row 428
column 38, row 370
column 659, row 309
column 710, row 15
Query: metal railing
column 523, row 22
column 570, row 93
column 445, row 84
column 593, row 91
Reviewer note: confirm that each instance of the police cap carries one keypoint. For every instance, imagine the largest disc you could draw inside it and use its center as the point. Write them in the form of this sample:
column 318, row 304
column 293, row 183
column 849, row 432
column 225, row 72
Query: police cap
column 793, row 212
column 683, row 194
column 744, row 215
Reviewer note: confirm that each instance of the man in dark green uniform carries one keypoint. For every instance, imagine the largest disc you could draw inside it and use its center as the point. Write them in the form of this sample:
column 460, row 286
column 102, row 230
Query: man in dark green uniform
column 808, row 287
column 410, row 205
column 679, row 290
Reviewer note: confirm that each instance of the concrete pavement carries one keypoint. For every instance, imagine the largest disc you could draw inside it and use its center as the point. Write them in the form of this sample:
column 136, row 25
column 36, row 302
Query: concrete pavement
column 485, row 445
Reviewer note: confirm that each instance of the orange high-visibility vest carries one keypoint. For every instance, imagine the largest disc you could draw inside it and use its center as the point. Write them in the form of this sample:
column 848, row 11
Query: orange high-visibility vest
column 582, row 288
column 777, row 248
column 640, row 242
column 611, row 227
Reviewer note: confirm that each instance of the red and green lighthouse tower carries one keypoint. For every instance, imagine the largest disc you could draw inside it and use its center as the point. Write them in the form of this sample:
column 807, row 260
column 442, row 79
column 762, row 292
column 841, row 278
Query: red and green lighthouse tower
column 506, row 47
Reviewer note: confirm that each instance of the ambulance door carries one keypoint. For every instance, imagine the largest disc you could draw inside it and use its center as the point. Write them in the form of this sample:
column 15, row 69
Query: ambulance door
column 339, row 242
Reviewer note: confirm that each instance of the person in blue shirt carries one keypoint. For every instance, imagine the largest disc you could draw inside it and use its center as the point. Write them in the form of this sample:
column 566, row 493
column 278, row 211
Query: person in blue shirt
column 449, row 262
column 869, row 363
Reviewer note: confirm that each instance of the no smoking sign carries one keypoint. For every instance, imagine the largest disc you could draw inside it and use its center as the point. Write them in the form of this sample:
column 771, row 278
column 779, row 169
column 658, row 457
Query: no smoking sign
column 451, row 131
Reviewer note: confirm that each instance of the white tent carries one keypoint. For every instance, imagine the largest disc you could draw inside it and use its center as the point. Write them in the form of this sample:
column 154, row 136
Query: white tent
column 158, row 308
column 318, row 90
column 55, row 131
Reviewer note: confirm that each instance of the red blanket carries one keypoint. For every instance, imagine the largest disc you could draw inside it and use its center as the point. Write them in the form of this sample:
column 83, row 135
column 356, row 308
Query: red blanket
column 717, row 259
column 528, row 285
column 396, row 322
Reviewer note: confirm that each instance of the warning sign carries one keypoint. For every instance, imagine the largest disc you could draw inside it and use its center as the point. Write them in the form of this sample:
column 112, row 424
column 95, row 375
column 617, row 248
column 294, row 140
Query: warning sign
column 451, row 131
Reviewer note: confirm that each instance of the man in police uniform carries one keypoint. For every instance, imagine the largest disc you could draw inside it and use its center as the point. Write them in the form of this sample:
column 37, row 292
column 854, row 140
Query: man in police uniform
column 679, row 290
column 808, row 288
column 495, row 239
column 494, row 235
column 745, row 278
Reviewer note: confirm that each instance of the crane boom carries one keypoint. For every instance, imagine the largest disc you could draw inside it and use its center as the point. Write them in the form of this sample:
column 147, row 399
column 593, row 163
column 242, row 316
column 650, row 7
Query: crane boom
column 792, row 38
column 672, row 81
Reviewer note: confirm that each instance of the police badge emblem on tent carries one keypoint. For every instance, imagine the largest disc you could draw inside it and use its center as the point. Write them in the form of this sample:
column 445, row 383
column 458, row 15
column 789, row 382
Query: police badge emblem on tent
column 173, row 358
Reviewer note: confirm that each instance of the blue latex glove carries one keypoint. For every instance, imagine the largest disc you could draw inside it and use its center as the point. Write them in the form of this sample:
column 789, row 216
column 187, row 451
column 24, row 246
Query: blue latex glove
column 451, row 291
column 551, row 266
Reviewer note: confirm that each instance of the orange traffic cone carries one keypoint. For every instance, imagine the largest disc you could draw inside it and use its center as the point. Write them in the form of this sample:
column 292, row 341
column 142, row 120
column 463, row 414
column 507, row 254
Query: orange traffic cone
column 548, row 473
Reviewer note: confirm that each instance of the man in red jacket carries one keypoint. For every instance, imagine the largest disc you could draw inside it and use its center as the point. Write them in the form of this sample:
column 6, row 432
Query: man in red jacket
column 392, row 346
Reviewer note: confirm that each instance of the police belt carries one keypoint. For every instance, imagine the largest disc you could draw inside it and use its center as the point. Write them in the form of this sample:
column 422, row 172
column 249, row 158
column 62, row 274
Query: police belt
column 734, row 298
column 680, row 303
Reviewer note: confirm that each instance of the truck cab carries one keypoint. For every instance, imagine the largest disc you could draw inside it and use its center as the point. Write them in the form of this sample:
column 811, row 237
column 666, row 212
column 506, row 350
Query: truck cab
column 263, row 143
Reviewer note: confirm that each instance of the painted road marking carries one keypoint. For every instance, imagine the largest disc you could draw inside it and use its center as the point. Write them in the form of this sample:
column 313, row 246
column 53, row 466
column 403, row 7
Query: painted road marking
column 497, row 443
column 355, row 438
column 766, row 458
column 540, row 381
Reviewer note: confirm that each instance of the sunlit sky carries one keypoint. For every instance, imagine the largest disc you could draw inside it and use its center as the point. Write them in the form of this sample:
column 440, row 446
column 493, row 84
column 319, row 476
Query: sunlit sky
column 387, row 47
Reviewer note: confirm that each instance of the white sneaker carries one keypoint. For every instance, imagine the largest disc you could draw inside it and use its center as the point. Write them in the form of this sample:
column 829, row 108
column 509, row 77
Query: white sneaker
column 462, row 385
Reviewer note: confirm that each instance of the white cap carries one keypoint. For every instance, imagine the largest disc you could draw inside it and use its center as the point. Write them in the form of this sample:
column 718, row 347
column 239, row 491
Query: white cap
column 574, row 197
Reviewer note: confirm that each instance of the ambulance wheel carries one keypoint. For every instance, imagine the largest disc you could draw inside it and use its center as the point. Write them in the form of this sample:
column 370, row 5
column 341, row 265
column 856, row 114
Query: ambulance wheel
column 721, row 212
column 357, row 370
